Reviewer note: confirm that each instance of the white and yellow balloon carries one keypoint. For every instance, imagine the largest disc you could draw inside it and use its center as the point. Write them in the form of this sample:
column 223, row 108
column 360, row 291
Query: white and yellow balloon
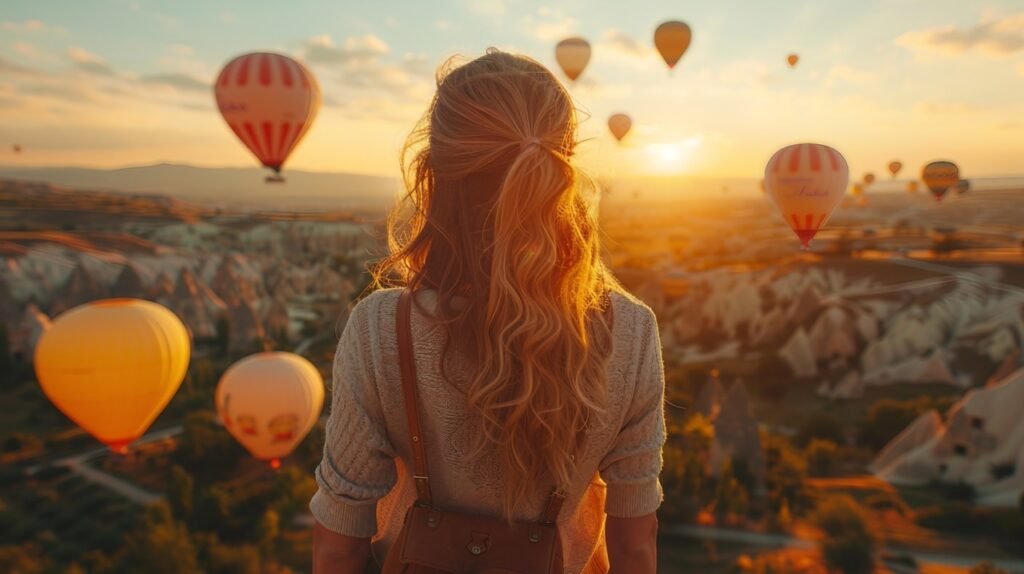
column 269, row 401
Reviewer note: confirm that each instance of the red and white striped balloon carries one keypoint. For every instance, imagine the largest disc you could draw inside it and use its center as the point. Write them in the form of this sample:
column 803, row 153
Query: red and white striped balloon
column 806, row 182
column 269, row 101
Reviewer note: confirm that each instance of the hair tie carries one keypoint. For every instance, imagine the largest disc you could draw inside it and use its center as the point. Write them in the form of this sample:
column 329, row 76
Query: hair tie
column 529, row 141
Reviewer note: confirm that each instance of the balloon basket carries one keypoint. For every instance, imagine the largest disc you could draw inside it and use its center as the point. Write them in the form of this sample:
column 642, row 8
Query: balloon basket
column 274, row 179
column 275, row 463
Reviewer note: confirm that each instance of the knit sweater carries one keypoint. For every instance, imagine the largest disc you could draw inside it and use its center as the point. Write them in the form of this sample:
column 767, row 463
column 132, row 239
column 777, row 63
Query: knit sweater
column 365, row 483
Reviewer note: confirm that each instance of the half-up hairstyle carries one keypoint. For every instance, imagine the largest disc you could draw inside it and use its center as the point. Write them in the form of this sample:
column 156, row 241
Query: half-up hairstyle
column 496, row 217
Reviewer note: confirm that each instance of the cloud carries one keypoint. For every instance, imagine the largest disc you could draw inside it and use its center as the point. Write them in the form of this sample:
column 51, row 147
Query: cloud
column 30, row 26
column 843, row 73
column 177, row 81
column 89, row 62
column 996, row 37
column 621, row 43
column 945, row 109
column 551, row 31
column 181, row 49
column 488, row 8
column 9, row 67
column 322, row 50
column 442, row 24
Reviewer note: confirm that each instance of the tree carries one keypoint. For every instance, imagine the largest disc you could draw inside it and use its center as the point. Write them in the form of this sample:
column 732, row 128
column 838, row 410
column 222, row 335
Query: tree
column 848, row 545
column 6, row 360
column 219, row 558
column 267, row 531
column 212, row 509
column 293, row 489
column 161, row 546
column 204, row 447
column 180, row 492
column 821, row 457
column 731, row 498
column 25, row 559
column 785, row 473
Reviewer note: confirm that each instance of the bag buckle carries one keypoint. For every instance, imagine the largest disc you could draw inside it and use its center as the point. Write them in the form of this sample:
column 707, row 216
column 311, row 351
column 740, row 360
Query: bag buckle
column 478, row 543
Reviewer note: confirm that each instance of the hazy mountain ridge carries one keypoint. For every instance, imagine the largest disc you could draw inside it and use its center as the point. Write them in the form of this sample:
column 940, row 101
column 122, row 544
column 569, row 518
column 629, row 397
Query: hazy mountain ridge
column 236, row 187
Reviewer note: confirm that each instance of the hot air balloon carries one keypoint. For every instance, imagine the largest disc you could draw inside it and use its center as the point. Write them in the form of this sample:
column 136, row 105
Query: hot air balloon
column 572, row 55
column 269, row 401
column 963, row 186
column 112, row 366
column 619, row 125
column 856, row 190
column 939, row 176
column 792, row 59
column 895, row 167
column 869, row 178
column 912, row 186
column 269, row 101
column 16, row 148
column 672, row 38
column 807, row 182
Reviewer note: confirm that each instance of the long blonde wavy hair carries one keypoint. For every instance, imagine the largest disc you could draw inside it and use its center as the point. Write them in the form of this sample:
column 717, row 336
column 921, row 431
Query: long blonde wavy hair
column 496, row 217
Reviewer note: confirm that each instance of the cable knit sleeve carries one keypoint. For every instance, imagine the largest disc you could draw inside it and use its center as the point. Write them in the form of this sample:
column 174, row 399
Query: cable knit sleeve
column 633, row 463
column 358, row 466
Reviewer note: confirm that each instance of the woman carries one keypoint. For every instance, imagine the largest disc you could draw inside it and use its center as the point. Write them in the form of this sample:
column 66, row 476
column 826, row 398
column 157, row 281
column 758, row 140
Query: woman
column 534, row 367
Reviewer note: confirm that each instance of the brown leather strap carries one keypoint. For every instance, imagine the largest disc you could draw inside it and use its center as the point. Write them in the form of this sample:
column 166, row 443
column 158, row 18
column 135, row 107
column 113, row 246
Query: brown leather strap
column 407, row 364
column 553, row 507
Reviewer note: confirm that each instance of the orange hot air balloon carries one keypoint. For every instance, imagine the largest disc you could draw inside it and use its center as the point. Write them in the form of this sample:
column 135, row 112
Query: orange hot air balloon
column 807, row 182
column 869, row 178
column 672, row 38
column 963, row 186
column 269, row 401
column 619, row 124
column 113, row 365
column 856, row 190
column 792, row 59
column 269, row 101
column 895, row 167
column 572, row 55
column 939, row 176
column 16, row 148
column 912, row 186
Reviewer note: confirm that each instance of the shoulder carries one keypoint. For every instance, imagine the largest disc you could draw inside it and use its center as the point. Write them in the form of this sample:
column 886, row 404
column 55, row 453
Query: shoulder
column 375, row 307
column 632, row 313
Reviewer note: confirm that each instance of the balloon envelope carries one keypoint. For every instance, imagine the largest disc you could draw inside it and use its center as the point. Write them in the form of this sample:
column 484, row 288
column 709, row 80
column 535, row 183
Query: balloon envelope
column 792, row 59
column 939, row 176
column 963, row 186
column 869, row 178
column 269, row 401
column 269, row 101
column 112, row 366
column 672, row 38
column 895, row 167
column 16, row 148
column 619, row 124
column 806, row 182
column 856, row 190
column 912, row 186
column 572, row 55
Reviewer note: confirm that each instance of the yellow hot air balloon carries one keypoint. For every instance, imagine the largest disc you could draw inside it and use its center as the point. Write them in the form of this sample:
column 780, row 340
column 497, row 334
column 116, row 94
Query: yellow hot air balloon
column 269, row 401
column 572, row 55
column 112, row 366
column 912, row 186
column 672, row 38
column 895, row 167
column 856, row 190
column 869, row 178
column 806, row 182
column 939, row 176
column 619, row 124
column 792, row 59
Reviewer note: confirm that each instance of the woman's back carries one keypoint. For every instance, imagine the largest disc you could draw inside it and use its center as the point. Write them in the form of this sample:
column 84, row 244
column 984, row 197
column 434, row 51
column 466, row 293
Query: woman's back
column 368, row 431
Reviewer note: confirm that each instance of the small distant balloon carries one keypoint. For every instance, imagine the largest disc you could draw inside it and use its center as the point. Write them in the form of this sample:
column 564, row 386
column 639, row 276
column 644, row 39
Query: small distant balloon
column 572, row 55
column 672, row 39
column 895, row 167
column 807, row 182
column 113, row 365
column 939, row 176
column 619, row 125
column 912, row 186
column 963, row 186
column 16, row 148
column 856, row 190
column 269, row 101
column 869, row 178
column 792, row 59
column 269, row 401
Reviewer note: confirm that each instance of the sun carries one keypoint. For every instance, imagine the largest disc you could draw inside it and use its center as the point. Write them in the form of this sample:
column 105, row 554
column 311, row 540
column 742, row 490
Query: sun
column 672, row 157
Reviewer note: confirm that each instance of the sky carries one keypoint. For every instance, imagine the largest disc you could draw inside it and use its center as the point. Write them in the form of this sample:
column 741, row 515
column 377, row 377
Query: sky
column 110, row 83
